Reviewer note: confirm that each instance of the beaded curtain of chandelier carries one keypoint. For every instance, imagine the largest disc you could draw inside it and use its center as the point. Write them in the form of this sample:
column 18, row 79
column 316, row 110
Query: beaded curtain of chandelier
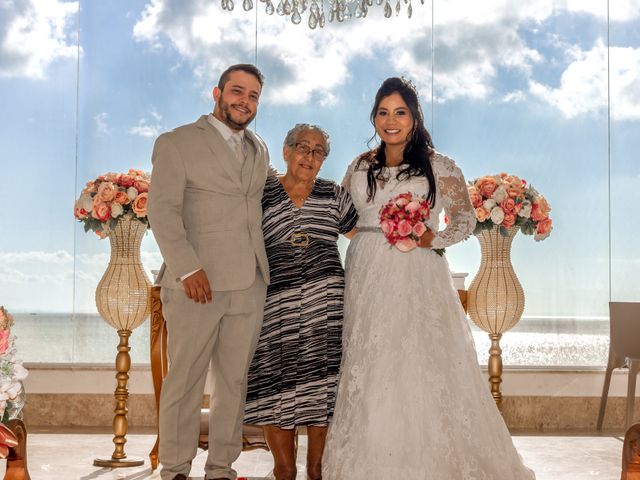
column 337, row 10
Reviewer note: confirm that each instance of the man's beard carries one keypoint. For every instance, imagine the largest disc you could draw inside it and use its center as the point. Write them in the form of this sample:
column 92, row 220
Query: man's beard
column 225, row 111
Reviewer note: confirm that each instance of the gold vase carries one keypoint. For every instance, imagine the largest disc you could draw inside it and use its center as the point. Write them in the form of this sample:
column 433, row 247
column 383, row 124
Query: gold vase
column 495, row 299
column 122, row 298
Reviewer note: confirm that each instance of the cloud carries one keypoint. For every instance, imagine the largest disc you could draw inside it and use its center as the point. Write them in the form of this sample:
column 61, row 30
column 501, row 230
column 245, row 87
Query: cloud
column 619, row 10
column 583, row 84
column 475, row 44
column 58, row 257
column 34, row 34
column 148, row 128
column 42, row 267
column 309, row 65
column 102, row 126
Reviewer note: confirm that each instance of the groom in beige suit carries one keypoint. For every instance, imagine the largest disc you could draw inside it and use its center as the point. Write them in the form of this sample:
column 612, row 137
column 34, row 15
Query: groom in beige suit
column 205, row 213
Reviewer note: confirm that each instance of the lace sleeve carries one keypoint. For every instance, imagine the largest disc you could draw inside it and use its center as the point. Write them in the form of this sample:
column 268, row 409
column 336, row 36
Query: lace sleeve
column 346, row 181
column 452, row 192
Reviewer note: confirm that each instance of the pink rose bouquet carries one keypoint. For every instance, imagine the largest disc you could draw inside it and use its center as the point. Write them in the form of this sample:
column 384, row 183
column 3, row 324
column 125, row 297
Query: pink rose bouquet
column 110, row 196
column 508, row 201
column 402, row 220
column 11, row 371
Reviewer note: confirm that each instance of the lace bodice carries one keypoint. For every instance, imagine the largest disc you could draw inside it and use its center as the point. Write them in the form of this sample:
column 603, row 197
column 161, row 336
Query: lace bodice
column 451, row 196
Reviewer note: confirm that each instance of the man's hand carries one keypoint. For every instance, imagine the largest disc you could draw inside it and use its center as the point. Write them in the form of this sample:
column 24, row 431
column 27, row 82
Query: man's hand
column 197, row 287
column 427, row 238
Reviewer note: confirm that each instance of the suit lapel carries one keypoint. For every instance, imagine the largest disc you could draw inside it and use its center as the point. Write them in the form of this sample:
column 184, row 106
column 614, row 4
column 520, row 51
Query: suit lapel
column 258, row 148
column 219, row 149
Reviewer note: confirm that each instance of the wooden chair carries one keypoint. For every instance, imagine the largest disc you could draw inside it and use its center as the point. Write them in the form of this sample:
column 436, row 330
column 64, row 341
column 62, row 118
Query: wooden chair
column 624, row 350
column 252, row 436
column 631, row 454
column 17, row 455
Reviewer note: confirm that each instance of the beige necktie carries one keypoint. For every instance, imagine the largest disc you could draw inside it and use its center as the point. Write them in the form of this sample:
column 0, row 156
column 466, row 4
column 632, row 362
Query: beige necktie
column 235, row 142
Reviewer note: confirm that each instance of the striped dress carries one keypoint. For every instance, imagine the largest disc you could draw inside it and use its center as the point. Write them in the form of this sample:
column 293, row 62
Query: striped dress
column 293, row 376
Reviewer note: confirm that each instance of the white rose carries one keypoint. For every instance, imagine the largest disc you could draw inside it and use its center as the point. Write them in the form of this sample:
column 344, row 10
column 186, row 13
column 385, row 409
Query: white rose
column 132, row 193
column 19, row 372
column 488, row 204
column 85, row 202
column 14, row 390
column 116, row 210
column 500, row 194
column 525, row 211
column 497, row 215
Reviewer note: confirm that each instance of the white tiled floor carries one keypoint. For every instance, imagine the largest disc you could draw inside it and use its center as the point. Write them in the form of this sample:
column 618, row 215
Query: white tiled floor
column 70, row 456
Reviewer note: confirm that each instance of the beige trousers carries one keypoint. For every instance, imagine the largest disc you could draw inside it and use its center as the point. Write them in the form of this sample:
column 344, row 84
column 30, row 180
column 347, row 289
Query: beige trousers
column 222, row 335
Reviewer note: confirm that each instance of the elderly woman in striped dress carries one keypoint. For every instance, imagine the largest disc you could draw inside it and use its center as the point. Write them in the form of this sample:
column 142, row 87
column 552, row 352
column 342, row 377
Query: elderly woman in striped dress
column 293, row 376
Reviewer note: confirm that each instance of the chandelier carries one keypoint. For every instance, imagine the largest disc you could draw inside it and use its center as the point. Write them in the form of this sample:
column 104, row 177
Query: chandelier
column 338, row 10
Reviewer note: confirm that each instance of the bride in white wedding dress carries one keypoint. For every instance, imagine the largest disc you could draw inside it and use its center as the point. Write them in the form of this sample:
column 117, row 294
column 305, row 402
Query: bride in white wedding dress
column 412, row 402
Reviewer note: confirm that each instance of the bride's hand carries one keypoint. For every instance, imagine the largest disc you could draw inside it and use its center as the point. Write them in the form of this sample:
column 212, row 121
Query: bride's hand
column 427, row 238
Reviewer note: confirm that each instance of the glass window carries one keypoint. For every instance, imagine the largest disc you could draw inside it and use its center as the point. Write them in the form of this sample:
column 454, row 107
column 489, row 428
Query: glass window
column 536, row 90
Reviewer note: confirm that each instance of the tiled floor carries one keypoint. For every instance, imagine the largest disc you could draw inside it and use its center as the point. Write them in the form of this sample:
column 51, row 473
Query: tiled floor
column 70, row 456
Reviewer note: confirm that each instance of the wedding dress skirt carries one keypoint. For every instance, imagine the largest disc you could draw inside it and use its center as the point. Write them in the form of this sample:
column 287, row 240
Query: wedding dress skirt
column 412, row 402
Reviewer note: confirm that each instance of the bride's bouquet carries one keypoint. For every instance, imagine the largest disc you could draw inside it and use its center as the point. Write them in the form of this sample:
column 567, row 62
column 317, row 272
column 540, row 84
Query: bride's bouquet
column 403, row 221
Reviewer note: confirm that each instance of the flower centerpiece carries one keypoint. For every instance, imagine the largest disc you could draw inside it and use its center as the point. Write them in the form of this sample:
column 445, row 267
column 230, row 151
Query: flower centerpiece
column 12, row 373
column 504, row 204
column 507, row 201
column 110, row 197
column 403, row 221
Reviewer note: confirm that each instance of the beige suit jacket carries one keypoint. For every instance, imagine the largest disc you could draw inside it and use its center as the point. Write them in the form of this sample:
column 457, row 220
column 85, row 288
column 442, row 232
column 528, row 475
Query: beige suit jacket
column 205, row 209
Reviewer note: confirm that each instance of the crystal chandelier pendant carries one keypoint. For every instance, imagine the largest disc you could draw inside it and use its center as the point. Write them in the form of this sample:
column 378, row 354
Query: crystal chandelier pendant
column 338, row 10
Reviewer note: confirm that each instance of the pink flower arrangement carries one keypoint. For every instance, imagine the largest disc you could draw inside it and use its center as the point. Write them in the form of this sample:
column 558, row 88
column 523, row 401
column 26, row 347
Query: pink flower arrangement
column 11, row 371
column 509, row 202
column 109, row 197
column 402, row 221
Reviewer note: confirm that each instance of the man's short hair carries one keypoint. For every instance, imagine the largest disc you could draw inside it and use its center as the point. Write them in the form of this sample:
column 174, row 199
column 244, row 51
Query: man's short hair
column 243, row 67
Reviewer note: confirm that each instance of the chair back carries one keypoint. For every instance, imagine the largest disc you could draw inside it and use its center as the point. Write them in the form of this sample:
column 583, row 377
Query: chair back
column 624, row 328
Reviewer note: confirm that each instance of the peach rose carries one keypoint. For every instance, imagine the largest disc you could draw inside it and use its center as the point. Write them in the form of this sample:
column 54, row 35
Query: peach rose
column 543, row 229
column 540, row 209
column 509, row 219
column 387, row 226
column 402, row 201
column 481, row 214
column 413, row 206
column 141, row 185
column 4, row 341
column 405, row 244
column 474, row 196
column 508, row 205
column 106, row 192
column 126, row 180
column 101, row 211
column 122, row 198
column 404, row 228
column 419, row 229
column 90, row 188
column 486, row 186
column 139, row 205
column 112, row 177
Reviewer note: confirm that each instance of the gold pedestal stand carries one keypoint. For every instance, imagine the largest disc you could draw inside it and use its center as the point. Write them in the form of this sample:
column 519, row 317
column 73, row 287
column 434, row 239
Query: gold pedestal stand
column 495, row 300
column 122, row 299
column 123, row 364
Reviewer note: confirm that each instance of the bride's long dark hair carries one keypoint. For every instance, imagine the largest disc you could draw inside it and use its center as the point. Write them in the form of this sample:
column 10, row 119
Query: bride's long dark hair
column 417, row 152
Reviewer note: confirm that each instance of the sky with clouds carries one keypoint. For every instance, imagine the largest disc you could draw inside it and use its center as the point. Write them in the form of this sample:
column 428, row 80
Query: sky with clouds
column 541, row 89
